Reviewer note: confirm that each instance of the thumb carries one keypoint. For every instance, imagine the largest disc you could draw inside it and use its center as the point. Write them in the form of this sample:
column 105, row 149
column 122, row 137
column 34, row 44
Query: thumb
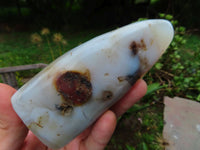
column 12, row 129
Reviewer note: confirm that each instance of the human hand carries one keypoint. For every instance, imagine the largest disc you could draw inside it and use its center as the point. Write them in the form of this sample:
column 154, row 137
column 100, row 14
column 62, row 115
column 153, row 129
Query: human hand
column 14, row 135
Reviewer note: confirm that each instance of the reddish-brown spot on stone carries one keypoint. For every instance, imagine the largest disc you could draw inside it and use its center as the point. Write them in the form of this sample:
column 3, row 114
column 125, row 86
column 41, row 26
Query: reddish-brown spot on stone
column 39, row 125
column 136, row 46
column 121, row 78
column 107, row 95
column 74, row 87
column 142, row 45
column 149, row 25
column 106, row 74
column 131, row 79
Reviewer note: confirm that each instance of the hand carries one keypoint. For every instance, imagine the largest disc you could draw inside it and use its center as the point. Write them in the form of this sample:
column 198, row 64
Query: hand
column 16, row 136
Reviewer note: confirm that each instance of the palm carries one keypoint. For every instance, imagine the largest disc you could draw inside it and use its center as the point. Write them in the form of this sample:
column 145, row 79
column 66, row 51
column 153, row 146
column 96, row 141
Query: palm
column 15, row 135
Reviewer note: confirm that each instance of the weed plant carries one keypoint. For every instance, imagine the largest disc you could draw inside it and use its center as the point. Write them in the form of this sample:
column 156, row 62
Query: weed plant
column 178, row 70
column 55, row 48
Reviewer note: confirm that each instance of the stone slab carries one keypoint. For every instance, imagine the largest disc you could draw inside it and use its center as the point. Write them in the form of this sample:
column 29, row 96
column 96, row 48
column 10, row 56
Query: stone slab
column 182, row 124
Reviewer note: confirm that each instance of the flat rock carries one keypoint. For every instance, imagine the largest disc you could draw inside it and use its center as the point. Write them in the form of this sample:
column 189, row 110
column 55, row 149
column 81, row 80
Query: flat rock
column 182, row 124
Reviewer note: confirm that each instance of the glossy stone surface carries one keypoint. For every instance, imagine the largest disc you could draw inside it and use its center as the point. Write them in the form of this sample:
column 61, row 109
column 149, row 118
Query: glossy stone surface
column 74, row 90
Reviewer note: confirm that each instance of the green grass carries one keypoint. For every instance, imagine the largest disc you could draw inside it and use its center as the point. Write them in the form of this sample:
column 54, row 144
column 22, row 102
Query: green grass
column 17, row 49
column 191, row 49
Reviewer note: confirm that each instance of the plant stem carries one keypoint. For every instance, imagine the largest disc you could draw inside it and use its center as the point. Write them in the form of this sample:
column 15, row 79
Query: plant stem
column 60, row 50
column 51, row 51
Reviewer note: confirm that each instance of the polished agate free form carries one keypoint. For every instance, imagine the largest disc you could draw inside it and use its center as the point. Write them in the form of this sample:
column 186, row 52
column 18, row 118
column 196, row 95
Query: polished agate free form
column 75, row 89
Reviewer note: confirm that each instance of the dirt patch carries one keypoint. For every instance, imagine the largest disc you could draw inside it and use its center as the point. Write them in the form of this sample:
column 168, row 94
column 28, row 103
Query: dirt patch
column 132, row 128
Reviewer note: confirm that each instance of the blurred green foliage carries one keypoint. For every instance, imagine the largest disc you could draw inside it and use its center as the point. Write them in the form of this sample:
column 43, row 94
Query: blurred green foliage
column 96, row 13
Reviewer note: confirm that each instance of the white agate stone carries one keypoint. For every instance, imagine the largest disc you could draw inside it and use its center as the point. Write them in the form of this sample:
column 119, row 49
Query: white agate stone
column 74, row 90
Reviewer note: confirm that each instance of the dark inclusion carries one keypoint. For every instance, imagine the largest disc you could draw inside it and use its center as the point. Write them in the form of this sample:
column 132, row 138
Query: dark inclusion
column 132, row 78
column 74, row 87
column 107, row 95
column 64, row 108
column 134, row 47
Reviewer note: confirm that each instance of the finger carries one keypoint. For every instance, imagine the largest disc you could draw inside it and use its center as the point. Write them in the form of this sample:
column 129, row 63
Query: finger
column 33, row 143
column 12, row 129
column 75, row 144
column 101, row 132
column 135, row 94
